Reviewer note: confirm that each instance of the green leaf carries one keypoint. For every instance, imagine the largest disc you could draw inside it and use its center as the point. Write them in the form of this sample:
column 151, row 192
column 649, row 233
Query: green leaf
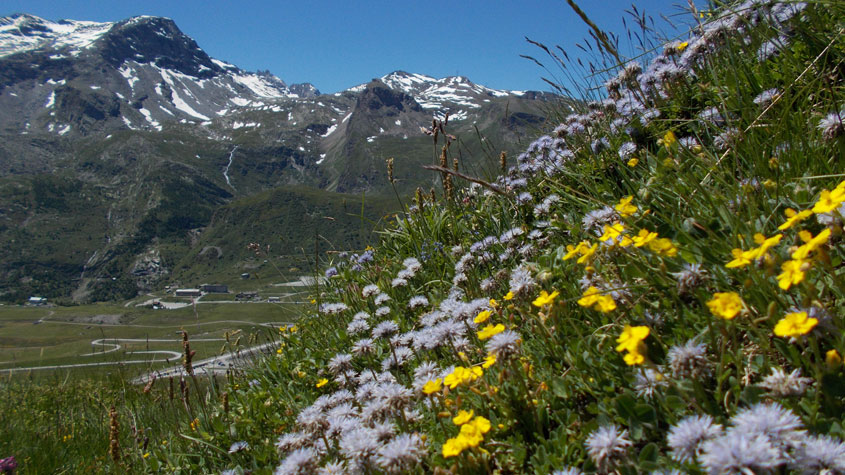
column 559, row 388
column 833, row 385
column 675, row 402
column 751, row 394
column 645, row 413
column 624, row 404
column 649, row 453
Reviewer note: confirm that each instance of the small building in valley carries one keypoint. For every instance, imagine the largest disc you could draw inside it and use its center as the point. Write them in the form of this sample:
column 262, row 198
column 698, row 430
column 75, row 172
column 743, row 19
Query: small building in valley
column 37, row 301
column 246, row 296
column 188, row 292
column 215, row 288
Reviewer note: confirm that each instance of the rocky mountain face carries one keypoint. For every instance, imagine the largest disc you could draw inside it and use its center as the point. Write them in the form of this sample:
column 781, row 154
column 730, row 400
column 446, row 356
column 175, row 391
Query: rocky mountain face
column 121, row 141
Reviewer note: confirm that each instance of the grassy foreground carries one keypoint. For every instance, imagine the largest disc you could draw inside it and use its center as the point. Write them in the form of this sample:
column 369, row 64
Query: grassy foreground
column 656, row 286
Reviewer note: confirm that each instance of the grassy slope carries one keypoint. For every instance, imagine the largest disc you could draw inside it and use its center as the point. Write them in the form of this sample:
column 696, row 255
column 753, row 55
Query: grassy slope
column 566, row 380
column 287, row 220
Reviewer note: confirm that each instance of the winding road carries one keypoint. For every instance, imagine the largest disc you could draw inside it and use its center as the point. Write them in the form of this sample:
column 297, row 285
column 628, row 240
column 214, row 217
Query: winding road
column 220, row 363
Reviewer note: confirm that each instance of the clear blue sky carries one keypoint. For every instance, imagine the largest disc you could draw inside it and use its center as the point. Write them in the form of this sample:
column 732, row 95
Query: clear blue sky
column 339, row 44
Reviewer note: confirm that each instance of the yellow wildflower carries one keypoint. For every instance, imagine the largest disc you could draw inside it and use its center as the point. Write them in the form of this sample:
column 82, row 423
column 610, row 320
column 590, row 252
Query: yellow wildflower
column 481, row 424
column 605, row 304
column 793, row 217
column 832, row 358
column 493, row 303
column 482, row 316
column 489, row 361
column 545, row 298
column 795, row 324
column 633, row 358
column 461, row 375
column 663, row 247
column 793, row 273
column 811, row 243
column 725, row 305
column 765, row 244
column 452, row 447
column 322, row 382
column 740, row 258
column 625, row 208
column 432, row 387
column 587, row 253
column 633, row 162
column 669, row 139
column 572, row 251
column 644, row 237
column 631, row 337
column 463, row 417
column 611, row 232
column 592, row 297
column 682, row 46
column 829, row 200
column 470, row 436
column 508, row 296
column 490, row 330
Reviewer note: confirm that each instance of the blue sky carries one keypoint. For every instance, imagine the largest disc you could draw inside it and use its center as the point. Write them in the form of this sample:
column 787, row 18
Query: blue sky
column 339, row 44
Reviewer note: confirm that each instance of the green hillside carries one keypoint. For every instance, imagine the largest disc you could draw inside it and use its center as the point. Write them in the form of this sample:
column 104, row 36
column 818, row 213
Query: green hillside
column 295, row 223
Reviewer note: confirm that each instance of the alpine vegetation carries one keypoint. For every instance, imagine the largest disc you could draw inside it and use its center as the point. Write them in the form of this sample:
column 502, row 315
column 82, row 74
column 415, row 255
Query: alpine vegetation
column 656, row 285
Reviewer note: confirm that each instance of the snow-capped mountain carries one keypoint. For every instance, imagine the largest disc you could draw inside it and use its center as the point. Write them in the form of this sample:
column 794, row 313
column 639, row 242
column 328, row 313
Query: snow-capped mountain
column 122, row 140
column 453, row 94
column 21, row 32
column 143, row 71
column 434, row 93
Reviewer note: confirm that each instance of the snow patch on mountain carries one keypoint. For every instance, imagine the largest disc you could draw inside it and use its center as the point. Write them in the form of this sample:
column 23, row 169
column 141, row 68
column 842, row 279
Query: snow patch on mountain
column 184, row 107
column 260, row 86
column 128, row 73
column 330, row 130
column 20, row 33
column 147, row 115
column 240, row 101
column 223, row 64
column 453, row 116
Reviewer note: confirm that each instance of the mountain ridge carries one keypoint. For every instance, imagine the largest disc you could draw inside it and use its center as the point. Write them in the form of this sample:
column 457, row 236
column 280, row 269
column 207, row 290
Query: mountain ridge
column 162, row 135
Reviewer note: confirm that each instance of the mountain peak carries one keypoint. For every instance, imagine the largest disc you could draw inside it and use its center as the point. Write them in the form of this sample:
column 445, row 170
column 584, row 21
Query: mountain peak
column 158, row 41
column 443, row 93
